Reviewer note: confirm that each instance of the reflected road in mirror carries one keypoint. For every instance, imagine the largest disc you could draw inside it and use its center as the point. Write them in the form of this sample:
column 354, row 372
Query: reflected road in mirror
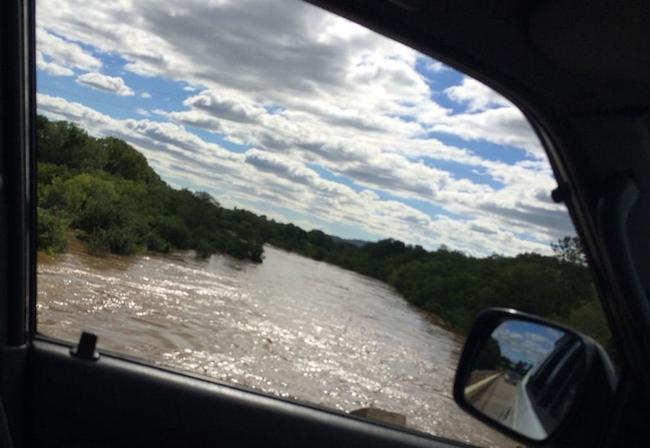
column 525, row 377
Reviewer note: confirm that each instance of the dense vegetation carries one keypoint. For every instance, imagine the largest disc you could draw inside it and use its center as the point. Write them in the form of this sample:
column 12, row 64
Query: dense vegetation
column 104, row 190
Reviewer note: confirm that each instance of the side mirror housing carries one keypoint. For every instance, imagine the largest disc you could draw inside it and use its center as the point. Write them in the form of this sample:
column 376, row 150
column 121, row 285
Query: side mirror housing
column 533, row 380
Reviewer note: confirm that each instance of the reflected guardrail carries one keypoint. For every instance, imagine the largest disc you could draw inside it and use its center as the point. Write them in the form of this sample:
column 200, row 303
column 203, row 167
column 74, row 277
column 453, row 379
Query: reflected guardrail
column 479, row 386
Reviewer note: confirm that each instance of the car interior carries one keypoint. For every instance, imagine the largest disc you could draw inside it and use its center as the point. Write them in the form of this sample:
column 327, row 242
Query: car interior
column 580, row 72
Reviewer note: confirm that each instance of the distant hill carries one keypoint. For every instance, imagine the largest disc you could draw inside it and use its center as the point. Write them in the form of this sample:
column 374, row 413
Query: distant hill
column 357, row 243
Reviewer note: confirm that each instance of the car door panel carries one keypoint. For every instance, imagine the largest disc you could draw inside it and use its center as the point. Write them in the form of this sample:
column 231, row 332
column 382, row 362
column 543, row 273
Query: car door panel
column 112, row 402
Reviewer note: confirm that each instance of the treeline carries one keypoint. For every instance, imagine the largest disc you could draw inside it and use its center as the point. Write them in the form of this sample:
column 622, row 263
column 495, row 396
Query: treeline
column 105, row 191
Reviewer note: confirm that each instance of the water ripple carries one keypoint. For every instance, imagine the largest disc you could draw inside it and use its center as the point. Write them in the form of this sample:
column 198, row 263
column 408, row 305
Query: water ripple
column 291, row 327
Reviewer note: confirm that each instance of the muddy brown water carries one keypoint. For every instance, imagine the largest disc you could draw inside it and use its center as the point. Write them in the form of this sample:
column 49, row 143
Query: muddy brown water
column 291, row 327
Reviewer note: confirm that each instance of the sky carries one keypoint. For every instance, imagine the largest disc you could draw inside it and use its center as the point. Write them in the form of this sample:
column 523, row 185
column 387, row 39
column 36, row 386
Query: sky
column 526, row 341
column 281, row 108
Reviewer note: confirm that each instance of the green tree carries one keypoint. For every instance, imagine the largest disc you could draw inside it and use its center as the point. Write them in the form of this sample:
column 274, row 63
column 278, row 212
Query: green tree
column 570, row 249
column 126, row 162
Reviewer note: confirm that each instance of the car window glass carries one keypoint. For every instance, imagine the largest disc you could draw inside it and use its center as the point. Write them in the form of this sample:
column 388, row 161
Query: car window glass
column 267, row 195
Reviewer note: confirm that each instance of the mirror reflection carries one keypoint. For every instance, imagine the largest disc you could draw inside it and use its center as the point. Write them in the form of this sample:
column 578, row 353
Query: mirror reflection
column 525, row 377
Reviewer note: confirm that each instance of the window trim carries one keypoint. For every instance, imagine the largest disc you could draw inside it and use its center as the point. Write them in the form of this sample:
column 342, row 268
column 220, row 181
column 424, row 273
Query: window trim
column 17, row 138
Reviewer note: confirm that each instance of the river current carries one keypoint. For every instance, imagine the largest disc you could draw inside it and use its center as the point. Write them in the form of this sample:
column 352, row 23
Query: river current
column 291, row 327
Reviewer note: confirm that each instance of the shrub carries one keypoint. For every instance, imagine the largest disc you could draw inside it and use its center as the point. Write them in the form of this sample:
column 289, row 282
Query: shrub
column 113, row 240
column 51, row 230
column 157, row 243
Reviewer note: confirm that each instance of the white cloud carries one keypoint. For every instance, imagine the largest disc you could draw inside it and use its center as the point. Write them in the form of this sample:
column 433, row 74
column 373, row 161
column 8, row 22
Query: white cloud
column 308, row 138
column 59, row 57
column 436, row 66
column 145, row 95
column 52, row 67
column 223, row 107
column 307, row 89
column 111, row 84
column 196, row 119
column 502, row 126
column 476, row 95
column 527, row 346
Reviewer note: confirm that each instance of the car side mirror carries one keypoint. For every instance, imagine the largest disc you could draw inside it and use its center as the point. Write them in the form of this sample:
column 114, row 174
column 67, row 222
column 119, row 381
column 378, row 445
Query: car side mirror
column 532, row 379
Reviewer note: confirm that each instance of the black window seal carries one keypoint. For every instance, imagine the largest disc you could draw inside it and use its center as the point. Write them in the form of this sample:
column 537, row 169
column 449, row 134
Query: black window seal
column 17, row 114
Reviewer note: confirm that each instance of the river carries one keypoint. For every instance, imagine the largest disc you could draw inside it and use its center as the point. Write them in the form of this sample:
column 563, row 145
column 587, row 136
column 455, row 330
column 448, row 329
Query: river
column 291, row 327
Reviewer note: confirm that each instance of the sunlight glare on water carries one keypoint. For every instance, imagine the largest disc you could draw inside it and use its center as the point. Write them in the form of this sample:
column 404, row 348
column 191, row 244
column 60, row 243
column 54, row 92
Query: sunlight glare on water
column 291, row 327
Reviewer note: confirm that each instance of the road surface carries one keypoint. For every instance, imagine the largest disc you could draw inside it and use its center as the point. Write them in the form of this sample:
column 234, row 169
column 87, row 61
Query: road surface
column 508, row 404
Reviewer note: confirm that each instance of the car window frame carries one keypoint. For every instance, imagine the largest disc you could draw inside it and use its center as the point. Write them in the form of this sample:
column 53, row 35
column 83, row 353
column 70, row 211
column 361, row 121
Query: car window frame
column 20, row 275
